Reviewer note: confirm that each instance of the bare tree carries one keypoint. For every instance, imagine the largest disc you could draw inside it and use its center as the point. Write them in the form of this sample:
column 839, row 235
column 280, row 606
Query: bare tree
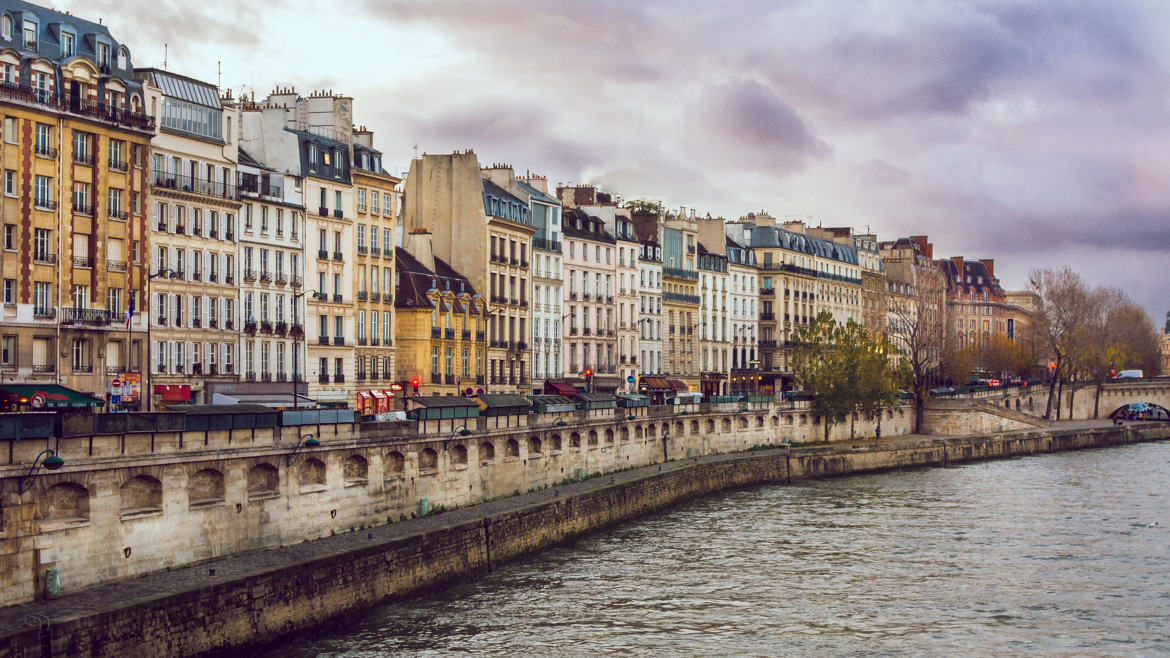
column 1064, row 309
column 916, row 328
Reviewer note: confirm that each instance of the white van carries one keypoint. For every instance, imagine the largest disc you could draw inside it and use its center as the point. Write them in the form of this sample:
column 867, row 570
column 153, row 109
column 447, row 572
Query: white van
column 1130, row 374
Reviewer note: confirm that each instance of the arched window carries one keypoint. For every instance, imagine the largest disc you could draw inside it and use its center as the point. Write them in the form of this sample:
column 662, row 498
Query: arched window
column 123, row 58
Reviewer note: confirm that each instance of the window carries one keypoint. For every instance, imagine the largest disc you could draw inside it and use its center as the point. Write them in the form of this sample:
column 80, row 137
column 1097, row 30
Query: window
column 9, row 291
column 386, row 210
column 337, row 200
column 10, row 237
column 11, row 135
column 67, row 45
column 103, row 55
column 43, row 192
column 8, row 351
column 30, row 35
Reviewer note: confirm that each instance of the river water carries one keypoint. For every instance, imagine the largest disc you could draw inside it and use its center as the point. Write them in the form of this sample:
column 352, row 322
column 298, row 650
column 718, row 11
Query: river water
column 1048, row 554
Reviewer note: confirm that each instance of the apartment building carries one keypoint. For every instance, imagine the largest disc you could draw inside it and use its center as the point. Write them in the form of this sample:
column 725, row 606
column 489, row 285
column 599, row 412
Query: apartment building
column 194, row 207
column 73, row 212
column 547, row 281
column 590, row 324
column 650, row 326
column 744, row 294
column 271, row 256
column 375, row 197
column 484, row 232
column 627, row 300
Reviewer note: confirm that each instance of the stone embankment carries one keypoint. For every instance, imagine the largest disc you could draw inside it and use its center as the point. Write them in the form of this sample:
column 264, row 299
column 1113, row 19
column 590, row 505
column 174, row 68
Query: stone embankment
column 232, row 602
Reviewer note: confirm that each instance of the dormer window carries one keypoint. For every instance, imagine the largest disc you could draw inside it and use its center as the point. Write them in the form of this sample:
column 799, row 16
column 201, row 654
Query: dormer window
column 6, row 27
column 327, row 158
column 103, row 56
column 123, row 59
column 30, row 35
column 68, row 47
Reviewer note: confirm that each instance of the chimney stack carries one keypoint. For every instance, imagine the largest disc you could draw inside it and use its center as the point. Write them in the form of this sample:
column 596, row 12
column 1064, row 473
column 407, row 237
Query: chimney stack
column 989, row 263
column 418, row 244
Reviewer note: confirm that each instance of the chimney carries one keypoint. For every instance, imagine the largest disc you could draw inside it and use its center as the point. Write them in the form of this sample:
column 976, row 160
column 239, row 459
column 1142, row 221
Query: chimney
column 924, row 246
column 958, row 261
column 418, row 244
column 989, row 263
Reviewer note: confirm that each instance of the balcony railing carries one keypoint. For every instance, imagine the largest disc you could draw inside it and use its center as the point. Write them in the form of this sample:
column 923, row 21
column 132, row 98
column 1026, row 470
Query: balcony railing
column 186, row 183
column 116, row 214
column 82, row 261
column 546, row 244
column 255, row 188
column 265, row 277
column 45, row 258
column 338, row 256
column 323, row 379
column 43, row 313
column 43, row 368
column 83, row 158
column 82, row 369
column 94, row 110
column 83, row 208
column 94, row 317
column 118, row 165
column 339, row 340
column 680, row 273
column 249, row 275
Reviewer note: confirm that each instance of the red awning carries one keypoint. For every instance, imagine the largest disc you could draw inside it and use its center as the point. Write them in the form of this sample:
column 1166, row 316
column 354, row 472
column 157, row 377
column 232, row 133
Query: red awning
column 561, row 388
column 678, row 386
column 364, row 394
column 174, row 393
column 378, row 394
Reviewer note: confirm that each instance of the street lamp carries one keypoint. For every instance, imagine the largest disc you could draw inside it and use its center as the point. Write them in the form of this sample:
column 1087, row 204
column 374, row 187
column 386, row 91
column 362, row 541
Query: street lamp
column 306, row 441
column 296, row 361
column 149, row 363
column 458, row 431
column 47, row 458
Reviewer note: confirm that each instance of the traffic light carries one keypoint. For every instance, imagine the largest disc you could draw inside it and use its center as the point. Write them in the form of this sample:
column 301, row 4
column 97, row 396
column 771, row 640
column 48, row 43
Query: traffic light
column 414, row 384
column 588, row 380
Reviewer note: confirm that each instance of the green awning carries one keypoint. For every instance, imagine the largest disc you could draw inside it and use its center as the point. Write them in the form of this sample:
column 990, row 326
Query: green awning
column 55, row 396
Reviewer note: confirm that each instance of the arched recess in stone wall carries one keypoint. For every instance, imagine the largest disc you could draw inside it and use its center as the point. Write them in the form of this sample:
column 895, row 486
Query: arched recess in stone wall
column 355, row 471
column 624, row 434
column 66, row 502
column 487, row 451
column 592, row 438
column 759, row 421
column 694, row 427
column 609, row 435
column 534, row 447
column 638, row 432
column 428, row 460
column 263, row 481
column 141, row 494
column 555, row 442
column 575, row 440
column 725, row 425
column 710, row 423
column 774, row 421
column 395, row 464
column 513, row 448
column 204, row 488
column 458, row 454
column 311, row 475
column 680, row 428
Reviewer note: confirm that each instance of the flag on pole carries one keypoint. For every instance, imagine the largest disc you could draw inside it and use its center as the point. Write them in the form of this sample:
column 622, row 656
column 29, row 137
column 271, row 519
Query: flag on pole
column 130, row 313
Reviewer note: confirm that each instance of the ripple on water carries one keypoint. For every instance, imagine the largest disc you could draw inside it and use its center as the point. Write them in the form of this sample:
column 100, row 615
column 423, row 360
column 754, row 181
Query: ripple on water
column 1040, row 555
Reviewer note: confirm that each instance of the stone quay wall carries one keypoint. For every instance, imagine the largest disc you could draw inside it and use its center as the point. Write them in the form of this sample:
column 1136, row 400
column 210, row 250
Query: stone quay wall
column 127, row 505
column 256, row 601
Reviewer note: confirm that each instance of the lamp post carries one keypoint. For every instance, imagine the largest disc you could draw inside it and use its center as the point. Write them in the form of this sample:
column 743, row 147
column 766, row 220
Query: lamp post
column 47, row 458
column 306, row 441
column 149, row 363
column 296, row 361
column 458, row 431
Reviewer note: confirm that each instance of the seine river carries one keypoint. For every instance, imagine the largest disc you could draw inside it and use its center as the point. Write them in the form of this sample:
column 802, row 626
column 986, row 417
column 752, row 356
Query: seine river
column 1048, row 554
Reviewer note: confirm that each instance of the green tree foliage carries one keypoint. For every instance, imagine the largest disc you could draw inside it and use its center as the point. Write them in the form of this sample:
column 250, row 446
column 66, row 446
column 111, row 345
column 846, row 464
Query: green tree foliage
column 843, row 368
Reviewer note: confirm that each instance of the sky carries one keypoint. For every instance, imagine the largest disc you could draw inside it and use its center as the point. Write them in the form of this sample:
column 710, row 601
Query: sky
column 1037, row 133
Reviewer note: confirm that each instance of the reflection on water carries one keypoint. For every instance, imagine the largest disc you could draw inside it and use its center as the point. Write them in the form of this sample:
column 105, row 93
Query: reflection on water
column 1045, row 554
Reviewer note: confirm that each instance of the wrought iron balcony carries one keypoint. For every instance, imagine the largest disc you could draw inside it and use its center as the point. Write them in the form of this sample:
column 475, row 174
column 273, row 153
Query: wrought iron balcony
column 44, row 258
column 118, row 165
column 184, row 183
column 94, row 317
column 82, row 261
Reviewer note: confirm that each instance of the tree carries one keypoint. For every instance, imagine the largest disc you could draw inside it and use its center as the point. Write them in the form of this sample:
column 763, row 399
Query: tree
column 916, row 327
column 842, row 367
column 1064, row 309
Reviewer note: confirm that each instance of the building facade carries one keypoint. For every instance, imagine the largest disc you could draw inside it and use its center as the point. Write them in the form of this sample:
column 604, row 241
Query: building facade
column 590, row 325
column 375, row 197
column 547, row 282
column 76, row 192
column 627, row 300
column 194, row 207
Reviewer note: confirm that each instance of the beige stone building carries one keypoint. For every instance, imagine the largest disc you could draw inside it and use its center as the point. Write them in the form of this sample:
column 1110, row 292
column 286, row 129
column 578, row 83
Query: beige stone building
column 485, row 233
column 193, row 215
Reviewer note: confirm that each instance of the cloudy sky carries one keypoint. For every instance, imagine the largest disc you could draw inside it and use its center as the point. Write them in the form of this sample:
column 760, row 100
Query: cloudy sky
column 1036, row 133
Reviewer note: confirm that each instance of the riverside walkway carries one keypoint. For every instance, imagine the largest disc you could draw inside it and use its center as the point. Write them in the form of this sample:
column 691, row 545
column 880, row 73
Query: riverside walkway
column 124, row 594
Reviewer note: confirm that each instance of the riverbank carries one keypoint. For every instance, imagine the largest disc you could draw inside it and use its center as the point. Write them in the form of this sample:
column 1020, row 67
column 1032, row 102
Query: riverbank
column 262, row 596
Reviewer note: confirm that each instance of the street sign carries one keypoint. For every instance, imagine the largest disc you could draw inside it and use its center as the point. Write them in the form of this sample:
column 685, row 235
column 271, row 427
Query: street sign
column 116, row 384
column 38, row 401
column 629, row 379
column 115, row 400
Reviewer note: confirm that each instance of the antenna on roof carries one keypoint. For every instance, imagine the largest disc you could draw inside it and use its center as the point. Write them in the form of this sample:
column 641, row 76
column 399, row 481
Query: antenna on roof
column 218, row 74
column 164, row 56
